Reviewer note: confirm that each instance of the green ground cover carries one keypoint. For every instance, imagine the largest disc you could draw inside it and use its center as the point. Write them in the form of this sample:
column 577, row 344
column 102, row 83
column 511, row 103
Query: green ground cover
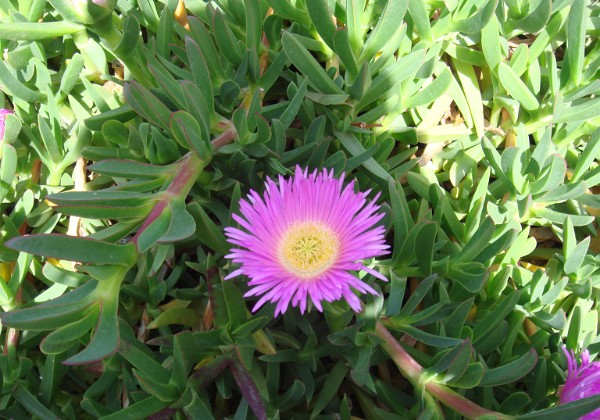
column 137, row 126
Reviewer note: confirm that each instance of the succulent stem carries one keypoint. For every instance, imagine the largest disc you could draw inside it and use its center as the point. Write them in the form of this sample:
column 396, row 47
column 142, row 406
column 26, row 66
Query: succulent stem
column 413, row 371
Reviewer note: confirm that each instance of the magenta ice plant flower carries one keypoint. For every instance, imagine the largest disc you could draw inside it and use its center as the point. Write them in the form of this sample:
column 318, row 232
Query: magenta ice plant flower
column 305, row 238
column 582, row 381
column 3, row 114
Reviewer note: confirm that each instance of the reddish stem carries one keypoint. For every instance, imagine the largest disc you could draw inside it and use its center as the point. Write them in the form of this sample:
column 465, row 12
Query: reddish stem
column 188, row 172
column 190, row 168
column 413, row 371
column 224, row 138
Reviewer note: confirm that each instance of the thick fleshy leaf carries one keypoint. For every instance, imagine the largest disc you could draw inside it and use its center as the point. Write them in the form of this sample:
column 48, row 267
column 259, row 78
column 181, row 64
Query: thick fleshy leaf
column 75, row 249
column 47, row 317
column 512, row 371
column 64, row 337
column 147, row 104
column 322, row 18
column 186, row 129
column 515, row 86
column 105, row 339
column 14, row 87
column 122, row 168
column 122, row 114
column 35, row 31
column 330, row 387
column 302, row 59
column 389, row 22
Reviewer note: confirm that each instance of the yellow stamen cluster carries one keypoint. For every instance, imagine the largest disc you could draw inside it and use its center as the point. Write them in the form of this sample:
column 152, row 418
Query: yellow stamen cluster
column 308, row 249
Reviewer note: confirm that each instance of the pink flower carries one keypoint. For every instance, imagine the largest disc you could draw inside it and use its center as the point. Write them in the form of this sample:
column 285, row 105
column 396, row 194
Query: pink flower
column 582, row 381
column 304, row 239
column 3, row 114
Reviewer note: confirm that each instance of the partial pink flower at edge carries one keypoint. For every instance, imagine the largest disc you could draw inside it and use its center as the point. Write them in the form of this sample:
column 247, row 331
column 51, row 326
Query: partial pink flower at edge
column 3, row 114
column 304, row 239
column 582, row 381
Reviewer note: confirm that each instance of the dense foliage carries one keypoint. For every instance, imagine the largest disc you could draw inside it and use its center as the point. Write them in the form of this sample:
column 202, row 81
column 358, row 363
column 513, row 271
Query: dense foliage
column 139, row 125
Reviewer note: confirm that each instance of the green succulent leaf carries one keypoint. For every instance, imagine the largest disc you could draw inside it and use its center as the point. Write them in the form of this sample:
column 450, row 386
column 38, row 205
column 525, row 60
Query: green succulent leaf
column 75, row 249
column 35, row 31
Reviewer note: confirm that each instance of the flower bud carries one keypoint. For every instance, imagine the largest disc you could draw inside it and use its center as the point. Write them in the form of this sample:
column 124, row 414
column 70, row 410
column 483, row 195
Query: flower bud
column 3, row 114
column 85, row 11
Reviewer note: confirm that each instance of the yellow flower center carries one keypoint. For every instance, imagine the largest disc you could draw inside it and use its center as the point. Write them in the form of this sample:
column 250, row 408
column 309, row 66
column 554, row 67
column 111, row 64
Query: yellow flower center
column 308, row 249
